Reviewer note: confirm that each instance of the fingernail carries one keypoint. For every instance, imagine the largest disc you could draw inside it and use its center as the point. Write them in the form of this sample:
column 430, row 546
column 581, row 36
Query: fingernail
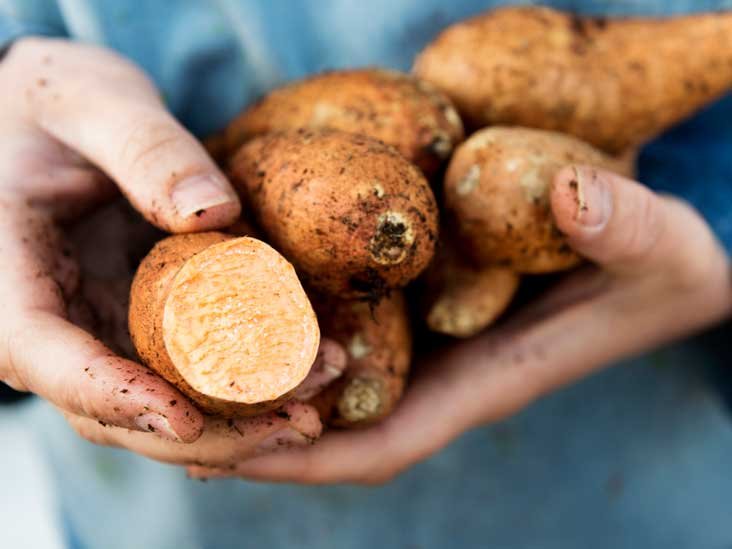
column 157, row 423
column 195, row 195
column 281, row 440
column 594, row 202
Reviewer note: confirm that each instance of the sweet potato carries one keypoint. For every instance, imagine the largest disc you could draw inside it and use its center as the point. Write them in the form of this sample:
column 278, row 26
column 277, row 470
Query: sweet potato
column 399, row 109
column 354, row 217
column 614, row 83
column 462, row 299
column 378, row 341
column 497, row 193
column 224, row 319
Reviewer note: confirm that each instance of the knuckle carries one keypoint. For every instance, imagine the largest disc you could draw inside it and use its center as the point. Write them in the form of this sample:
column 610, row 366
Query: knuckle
column 148, row 137
column 644, row 230
column 84, row 398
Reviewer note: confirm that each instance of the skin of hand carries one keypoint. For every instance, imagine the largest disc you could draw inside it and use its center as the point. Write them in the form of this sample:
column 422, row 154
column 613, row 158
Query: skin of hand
column 79, row 125
column 658, row 274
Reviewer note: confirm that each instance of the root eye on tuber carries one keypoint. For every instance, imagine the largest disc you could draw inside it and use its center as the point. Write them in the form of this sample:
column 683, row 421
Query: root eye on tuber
column 392, row 240
column 361, row 399
column 379, row 344
column 361, row 222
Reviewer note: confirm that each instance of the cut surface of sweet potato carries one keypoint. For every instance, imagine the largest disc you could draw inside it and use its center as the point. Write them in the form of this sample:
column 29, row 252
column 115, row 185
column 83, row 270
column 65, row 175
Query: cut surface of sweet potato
column 235, row 327
column 225, row 319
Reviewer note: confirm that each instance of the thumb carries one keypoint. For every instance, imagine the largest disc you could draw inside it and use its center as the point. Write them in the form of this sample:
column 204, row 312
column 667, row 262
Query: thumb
column 123, row 127
column 161, row 168
column 625, row 227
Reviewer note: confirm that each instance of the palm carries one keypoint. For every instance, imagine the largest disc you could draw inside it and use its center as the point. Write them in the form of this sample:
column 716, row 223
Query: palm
column 660, row 275
column 108, row 244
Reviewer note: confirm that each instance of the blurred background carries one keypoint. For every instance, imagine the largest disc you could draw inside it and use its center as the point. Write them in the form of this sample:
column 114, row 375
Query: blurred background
column 29, row 518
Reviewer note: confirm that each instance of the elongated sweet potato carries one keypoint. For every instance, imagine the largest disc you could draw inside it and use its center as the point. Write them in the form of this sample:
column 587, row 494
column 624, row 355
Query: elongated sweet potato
column 225, row 320
column 378, row 341
column 614, row 83
column 354, row 217
column 399, row 109
column 462, row 299
column 497, row 192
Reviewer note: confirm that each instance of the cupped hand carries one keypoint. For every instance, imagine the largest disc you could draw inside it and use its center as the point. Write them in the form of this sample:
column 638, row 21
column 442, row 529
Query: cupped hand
column 658, row 274
column 79, row 125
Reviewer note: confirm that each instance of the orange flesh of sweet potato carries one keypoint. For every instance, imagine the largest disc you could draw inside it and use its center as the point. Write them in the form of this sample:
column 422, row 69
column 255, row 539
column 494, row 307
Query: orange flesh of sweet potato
column 230, row 324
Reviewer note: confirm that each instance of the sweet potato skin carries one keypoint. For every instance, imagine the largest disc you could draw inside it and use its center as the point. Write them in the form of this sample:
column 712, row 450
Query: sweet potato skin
column 461, row 299
column 150, row 288
column 398, row 109
column 378, row 341
column 497, row 193
column 614, row 83
column 354, row 217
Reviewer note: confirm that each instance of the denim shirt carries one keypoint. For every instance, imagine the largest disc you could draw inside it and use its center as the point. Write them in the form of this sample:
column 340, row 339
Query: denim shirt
column 637, row 456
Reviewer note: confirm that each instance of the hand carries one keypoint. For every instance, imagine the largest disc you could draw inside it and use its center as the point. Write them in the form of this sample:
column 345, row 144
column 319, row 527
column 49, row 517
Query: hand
column 78, row 125
column 109, row 244
column 659, row 275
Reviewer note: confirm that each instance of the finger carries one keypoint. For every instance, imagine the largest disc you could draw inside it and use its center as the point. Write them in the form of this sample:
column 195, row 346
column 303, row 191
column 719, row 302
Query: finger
column 71, row 187
column 224, row 441
column 431, row 414
column 44, row 353
column 329, row 365
column 125, row 130
column 582, row 284
column 626, row 228
column 76, row 372
column 496, row 375
column 489, row 378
